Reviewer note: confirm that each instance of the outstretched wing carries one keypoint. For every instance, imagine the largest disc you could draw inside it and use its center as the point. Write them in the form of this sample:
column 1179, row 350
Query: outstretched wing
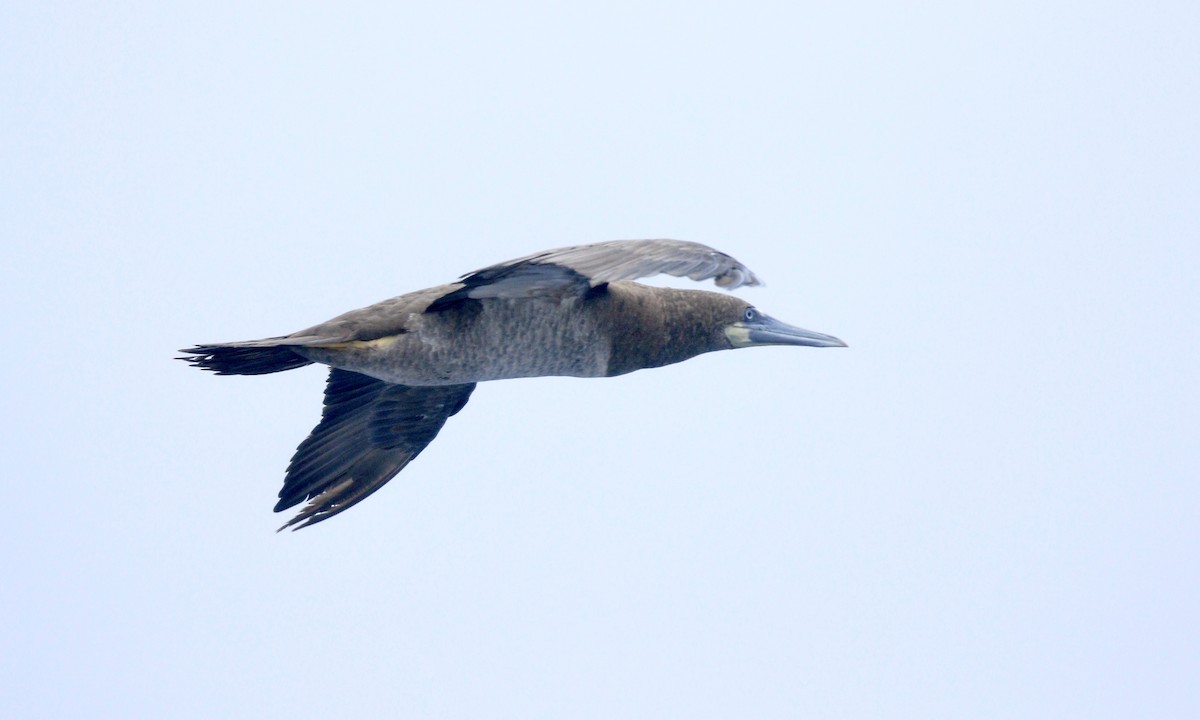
column 631, row 259
column 580, row 267
column 369, row 431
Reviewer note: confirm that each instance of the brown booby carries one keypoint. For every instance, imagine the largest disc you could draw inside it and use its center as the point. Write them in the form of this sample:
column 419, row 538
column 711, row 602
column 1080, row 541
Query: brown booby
column 401, row 367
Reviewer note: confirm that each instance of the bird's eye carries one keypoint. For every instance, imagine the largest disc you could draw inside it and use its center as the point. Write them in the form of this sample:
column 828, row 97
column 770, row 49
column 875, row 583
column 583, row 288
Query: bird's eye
column 749, row 315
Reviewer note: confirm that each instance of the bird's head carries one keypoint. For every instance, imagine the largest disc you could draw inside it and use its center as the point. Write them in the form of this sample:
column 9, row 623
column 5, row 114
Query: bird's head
column 751, row 327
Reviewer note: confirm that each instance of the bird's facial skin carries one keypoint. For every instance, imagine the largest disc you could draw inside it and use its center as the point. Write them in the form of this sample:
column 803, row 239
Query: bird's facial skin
column 757, row 328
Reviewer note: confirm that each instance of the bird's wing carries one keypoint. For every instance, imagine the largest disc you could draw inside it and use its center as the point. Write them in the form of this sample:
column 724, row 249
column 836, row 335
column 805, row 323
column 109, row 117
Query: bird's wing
column 631, row 259
column 369, row 431
column 583, row 266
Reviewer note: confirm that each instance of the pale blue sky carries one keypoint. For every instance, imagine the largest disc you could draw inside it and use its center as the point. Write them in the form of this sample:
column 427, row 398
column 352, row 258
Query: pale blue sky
column 986, row 507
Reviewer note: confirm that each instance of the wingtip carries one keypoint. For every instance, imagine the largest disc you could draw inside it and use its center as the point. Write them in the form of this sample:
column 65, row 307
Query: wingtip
column 301, row 520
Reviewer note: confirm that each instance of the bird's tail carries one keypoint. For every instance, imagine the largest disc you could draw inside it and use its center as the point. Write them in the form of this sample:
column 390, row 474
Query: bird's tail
column 252, row 357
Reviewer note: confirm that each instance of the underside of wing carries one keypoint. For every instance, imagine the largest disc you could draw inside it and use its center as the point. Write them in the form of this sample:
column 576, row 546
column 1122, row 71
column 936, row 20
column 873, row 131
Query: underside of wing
column 369, row 431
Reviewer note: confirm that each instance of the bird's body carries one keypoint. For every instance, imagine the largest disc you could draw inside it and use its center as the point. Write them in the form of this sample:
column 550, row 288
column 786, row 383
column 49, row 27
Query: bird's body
column 401, row 367
column 470, row 340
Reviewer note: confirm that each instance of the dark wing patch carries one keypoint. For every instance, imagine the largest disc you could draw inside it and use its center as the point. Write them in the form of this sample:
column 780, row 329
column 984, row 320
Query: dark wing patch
column 520, row 280
column 369, row 431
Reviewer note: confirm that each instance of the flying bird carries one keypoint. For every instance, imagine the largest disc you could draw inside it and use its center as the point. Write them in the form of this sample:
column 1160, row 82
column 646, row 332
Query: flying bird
column 400, row 368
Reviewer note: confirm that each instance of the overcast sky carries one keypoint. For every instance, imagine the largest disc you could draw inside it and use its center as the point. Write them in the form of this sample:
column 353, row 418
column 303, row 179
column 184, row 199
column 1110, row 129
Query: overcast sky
column 986, row 507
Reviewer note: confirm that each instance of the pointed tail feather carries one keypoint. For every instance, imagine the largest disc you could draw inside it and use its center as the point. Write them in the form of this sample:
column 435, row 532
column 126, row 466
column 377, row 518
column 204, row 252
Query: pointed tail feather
column 254, row 357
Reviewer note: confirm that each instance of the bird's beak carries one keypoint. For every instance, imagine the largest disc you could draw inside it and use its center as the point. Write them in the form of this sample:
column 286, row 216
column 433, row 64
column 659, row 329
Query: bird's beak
column 766, row 330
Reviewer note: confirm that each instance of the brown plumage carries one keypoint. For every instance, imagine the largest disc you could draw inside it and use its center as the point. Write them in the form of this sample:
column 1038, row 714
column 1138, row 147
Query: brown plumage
column 401, row 367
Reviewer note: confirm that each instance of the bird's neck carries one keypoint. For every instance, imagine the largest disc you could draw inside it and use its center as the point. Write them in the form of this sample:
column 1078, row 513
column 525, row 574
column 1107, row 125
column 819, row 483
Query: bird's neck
column 652, row 327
